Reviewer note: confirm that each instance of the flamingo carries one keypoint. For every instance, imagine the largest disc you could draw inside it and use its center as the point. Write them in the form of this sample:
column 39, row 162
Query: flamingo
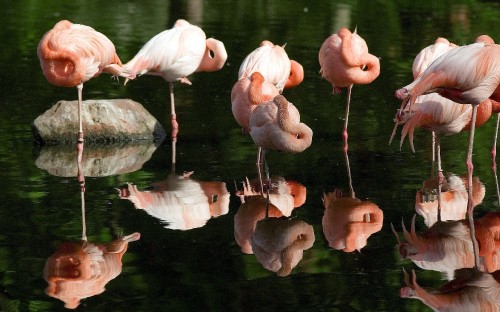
column 345, row 61
column 279, row 244
column 276, row 125
column 175, row 54
column 468, row 75
column 247, row 93
column 72, row 54
column 273, row 63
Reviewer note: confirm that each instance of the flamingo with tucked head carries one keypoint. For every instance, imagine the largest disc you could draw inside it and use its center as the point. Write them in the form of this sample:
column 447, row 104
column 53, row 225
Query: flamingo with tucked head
column 275, row 125
column 273, row 63
column 246, row 94
column 345, row 61
column 175, row 54
column 72, row 54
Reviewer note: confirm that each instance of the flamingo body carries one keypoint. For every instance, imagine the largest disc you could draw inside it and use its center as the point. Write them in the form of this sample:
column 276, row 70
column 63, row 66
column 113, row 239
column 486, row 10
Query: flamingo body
column 71, row 54
column 466, row 75
column 428, row 54
column 276, row 125
column 343, row 58
column 273, row 63
column 173, row 54
column 246, row 94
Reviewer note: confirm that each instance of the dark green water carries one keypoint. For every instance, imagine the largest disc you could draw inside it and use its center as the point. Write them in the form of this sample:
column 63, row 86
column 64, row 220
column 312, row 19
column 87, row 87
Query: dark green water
column 204, row 268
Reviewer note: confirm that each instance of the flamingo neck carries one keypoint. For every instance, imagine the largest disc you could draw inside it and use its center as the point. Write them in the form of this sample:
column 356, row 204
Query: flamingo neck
column 296, row 74
column 211, row 63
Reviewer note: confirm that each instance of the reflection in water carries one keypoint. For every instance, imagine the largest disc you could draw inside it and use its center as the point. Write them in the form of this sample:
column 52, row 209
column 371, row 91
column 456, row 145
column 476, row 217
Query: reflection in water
column 284, row 196
column 444, row 247
column 180, row 202
column 488, row 236
column 98, row 161
column 278, row 244
column 348, row 222
column 252, row 210
column 453, row 198
column 447, row 246
column 470, row 290
column 79, row 270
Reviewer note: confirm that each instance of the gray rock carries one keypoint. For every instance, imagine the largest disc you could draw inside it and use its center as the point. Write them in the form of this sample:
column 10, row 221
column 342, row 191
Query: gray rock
column 104, row 121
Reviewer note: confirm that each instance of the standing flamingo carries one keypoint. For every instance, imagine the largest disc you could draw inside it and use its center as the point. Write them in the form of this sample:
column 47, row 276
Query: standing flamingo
column 273, row 63
column 345, row 61
column 276, row 125
column 247, row 93
column 71, row 54
column 468, row 74
column 175, row 54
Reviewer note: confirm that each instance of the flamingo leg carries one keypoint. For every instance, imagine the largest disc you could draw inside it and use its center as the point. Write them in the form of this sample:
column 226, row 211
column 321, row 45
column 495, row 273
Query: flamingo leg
column 260, row 151
column 175, row 125
column 493, row 158
column 80, row 113
column 346, row 120
column 174, row 153
column 81, row 180
column 437, row 142
column 346, row 156
column 268, row 183
column 470, row 204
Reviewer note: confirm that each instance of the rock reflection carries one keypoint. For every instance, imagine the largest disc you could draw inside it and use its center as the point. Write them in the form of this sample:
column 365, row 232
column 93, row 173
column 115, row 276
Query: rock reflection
column 470, row 290
column 79, row 270
column 278, row 244
column 453, row 198
column 284, row 196
column 98, row 160
column 348, row 222
column 180, row 202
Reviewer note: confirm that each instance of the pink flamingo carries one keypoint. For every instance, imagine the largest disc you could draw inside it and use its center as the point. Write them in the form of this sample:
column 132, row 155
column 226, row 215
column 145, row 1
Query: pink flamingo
column 273, row 63
column 175, row 54
column 466, row 75
column 276, row 125
column 345, row 61
column 72, row 54
column 246, row 94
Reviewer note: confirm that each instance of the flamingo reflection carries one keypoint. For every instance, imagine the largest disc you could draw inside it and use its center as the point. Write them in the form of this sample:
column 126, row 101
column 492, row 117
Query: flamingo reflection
column 470, row 290
column 447, row 246
column 81, row 269
column 348, row 222
column 279, row 244
column 453, row 198
column 284, row 196
column 180, row 202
